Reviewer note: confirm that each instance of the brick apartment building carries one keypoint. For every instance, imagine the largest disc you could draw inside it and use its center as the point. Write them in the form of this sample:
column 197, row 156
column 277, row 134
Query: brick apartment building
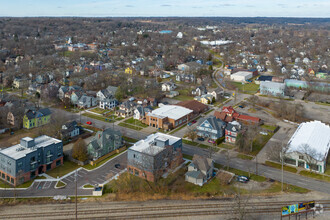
column 152, row 157
column 168, row 117
column 23, row 162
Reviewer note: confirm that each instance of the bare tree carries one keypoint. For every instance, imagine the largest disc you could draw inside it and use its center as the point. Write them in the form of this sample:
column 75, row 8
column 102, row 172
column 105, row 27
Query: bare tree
column 310, row 155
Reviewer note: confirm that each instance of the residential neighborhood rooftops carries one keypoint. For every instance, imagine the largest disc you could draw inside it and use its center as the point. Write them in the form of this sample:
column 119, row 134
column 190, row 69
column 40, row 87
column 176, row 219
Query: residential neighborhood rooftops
column 170, row 111
column 315, row 134
column 149, row 145
column 194, row 105
column 18, row 151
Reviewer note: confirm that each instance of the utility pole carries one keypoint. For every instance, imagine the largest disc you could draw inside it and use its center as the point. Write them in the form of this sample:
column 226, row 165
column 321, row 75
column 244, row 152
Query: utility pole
column 282, row 163
column 257, row 164
column 76, row 195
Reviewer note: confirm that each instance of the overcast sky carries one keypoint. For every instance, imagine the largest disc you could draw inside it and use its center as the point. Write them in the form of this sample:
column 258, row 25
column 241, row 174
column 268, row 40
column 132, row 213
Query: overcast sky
column 122, row 8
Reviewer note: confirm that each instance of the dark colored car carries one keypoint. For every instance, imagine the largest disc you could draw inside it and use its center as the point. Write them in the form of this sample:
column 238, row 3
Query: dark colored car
column 200, row 139
column 117, row 165
column 242, row 179
column 189, row 124
column 194, row 121
column 241, row 106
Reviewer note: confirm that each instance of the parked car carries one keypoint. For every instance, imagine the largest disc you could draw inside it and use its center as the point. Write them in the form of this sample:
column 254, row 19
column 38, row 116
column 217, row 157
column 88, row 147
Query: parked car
column 263, row 133
column 242, row 179
column 89, row 122
column 200, row 139
column 117, row 165
column 211, row 141
column 194, row 121
column 241, row 106
column 189, row 124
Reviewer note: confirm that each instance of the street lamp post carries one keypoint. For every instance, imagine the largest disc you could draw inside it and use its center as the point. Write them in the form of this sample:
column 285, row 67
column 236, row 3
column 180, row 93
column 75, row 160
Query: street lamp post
column 282, row 163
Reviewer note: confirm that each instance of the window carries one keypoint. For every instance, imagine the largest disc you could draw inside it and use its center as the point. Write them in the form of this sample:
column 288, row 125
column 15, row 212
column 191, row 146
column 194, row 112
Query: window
column 3, row 176
column 301, row 157
column 136, row 173
column 12, row 180
column 20, row 164
column 8, row 178
column 59, row 154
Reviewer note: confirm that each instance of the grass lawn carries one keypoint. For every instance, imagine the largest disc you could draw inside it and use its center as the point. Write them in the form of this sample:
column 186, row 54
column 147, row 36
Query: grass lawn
column 208, row 111
column 226, row 146
column 88, row 186
column 314, row 175
column 90, row 167
column 60, row 184
column 208, row 147
column 187, row 156
column 243, row 173
column 128, row 139
column 244, row 156
column 189, row 142
column 98, row 110
column 258, row 145
column 67, row 167
column 250, row 88
column 269, row 127
column 183, row 97
column 279, row 166
column 277, row 187
column 135, row 122
column 322, row 103
column 130, row 126
column 98, row 117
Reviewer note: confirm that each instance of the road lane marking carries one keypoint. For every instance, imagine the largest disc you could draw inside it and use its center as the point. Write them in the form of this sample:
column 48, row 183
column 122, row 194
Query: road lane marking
column 302, row 183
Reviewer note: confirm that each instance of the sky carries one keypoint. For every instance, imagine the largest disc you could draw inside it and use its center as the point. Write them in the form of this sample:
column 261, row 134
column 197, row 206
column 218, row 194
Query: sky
column 161, row 8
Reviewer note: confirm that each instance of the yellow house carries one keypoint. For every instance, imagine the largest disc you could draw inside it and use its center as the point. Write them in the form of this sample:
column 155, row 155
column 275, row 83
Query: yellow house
column 311, row 72
column 205, row 99
column 129, row 70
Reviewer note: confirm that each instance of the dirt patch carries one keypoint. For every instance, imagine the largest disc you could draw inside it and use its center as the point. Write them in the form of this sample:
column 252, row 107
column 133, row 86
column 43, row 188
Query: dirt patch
column 253, row 185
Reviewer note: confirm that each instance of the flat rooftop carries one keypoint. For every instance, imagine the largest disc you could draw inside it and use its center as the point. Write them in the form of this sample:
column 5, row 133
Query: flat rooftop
column 242, row 73
column 315, row 134
column 171, row 111
column 18, row 151
column 147, row 146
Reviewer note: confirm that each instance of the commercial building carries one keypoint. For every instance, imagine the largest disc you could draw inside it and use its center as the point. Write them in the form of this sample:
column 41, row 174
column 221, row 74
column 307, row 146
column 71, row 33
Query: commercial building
column 272, row 88
column 25, row 161
column 241, row 76
column 168, row 117
column 309, row 146
column 152, row 157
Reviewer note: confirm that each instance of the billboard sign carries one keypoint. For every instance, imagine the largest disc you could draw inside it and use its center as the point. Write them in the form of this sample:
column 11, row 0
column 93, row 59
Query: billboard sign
column 305, row 205
column 290, row 209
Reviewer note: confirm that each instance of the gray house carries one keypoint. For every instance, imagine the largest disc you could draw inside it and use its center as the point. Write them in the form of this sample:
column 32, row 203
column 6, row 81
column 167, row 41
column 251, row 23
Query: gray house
column 104, row 142
column 86, row 101
column 211, row 127
column 70, row 130
column 151, row 157
column 31, row 157
column 200, row 170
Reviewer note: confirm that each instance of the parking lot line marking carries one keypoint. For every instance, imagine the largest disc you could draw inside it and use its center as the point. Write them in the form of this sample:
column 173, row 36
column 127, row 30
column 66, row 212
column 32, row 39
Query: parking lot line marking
column 100, row 179
column 38, row 185
column 79, row 175
column 83, row 172
column 46, row 186
column 67, row 179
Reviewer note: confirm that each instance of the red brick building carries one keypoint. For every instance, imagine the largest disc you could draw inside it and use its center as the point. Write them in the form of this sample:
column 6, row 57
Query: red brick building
column 228, row 114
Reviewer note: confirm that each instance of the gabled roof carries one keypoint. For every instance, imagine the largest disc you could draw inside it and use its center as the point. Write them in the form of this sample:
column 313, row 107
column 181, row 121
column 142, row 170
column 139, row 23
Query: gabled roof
column 217, row 124
column 194, row 105
column 202, row 163
column 40, row 113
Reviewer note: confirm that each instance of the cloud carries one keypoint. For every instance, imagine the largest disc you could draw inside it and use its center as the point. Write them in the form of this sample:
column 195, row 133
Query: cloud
column 129, row 6
column 166, row 5
column 282, row 5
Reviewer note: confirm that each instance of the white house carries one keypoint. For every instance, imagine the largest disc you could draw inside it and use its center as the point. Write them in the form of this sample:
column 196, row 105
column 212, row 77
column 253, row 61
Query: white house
column 86, row 101
column 108, row 103
column 200, row 170
column 309, row 146
column 168, row 86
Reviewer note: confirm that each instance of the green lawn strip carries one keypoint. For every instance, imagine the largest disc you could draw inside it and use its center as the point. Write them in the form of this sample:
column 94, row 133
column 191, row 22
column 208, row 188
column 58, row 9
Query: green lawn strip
column 279, row 166
column 208, row 111
column 226, row 146
column 135, row 122
column 131, row 140
column 60, row 184
column 98, row 117
column 67, row 167
column 314, row 175
column 244, row 156
column 130, row 126
column 23, row 185
column 98, row 110
column 269, row 127
column 277, row 187
column 90, row 167
column 189, row 142
column 88, row 186
column 187, row 156
column 183, row 97
column 322, row 103
column 208, row 147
